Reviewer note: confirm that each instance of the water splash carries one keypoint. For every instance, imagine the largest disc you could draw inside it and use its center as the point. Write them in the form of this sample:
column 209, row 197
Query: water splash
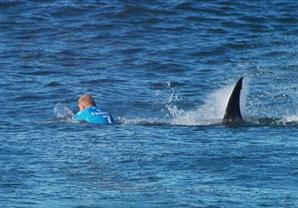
column 212, row 111
column 290, row 119
column 61, row 111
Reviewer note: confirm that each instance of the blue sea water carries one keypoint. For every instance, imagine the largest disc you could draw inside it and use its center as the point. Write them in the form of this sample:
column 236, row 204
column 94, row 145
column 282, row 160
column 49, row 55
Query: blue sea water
column 164, row 70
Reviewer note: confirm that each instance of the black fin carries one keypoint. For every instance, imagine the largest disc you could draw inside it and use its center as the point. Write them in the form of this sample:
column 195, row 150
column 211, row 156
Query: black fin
column 233, row 113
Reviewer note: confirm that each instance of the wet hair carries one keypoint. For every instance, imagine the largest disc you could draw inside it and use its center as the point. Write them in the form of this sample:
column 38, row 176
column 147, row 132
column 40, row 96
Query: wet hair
column 87, row 100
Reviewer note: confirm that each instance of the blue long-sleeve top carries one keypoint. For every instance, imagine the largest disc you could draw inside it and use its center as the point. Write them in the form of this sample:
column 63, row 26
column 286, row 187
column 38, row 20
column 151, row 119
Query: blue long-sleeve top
column 94, row 115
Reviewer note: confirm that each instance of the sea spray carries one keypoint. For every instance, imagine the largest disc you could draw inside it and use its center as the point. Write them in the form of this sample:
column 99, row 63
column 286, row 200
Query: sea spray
column 211, row 112
column 61, row 111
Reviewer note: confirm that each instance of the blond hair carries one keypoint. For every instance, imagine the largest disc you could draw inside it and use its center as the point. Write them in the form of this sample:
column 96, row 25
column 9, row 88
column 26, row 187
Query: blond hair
column 87, row 100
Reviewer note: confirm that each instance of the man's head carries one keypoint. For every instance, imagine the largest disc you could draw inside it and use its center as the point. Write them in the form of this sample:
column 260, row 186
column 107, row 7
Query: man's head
column 86, row 101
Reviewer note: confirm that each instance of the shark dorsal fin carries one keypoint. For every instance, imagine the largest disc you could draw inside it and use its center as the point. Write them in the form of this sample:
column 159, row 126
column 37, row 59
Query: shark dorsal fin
column 233, row 113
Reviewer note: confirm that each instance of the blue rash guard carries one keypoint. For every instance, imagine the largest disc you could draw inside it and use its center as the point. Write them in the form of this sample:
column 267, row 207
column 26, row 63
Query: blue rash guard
column 94, row 115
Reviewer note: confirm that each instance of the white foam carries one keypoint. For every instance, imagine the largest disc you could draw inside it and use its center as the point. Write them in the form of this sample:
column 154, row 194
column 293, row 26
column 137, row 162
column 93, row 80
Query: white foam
column 290, row 118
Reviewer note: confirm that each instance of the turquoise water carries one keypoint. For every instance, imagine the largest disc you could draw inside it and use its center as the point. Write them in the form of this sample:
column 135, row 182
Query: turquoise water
column 164, row 70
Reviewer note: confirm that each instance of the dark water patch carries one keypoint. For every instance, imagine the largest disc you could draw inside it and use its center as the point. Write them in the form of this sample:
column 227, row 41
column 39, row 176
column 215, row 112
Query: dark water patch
column 69, row 11
column 152, row 21
column 21, row 81
column 240, row 45
column 208, row 9
column 5, row 123
column 28, row 202
column 31, row 55
column 293, row 67
column 184, row 6
column 9, row 4
column 32, row 97
column 209, row 53
column 234, row 24
column 13, row 113
column 287, row 20
column 11, row 185
column 287, row 7
column 64, row 90
column 54, row 84
column 102, row 82
column 131, row 50
column 6, row 26
column 31, row 34
column 171, row 28
column 254, row 19
column 44, row 73
column 255, row 29
column 202, row 19
column 275, row 54
column 214, row 11
column 85, row 206
column 141, row 11
column 220, row 31
column 68, row 53
column 256, row 24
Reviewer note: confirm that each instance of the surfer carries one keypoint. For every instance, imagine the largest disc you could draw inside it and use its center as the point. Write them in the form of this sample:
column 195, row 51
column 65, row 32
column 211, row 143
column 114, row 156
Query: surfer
column 90, row 113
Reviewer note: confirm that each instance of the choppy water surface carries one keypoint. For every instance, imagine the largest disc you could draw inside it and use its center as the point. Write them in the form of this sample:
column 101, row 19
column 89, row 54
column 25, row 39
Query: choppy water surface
column 164, row 69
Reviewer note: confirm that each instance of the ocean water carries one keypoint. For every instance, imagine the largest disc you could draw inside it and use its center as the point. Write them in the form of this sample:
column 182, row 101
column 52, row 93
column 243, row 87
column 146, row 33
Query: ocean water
column 164, row 70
